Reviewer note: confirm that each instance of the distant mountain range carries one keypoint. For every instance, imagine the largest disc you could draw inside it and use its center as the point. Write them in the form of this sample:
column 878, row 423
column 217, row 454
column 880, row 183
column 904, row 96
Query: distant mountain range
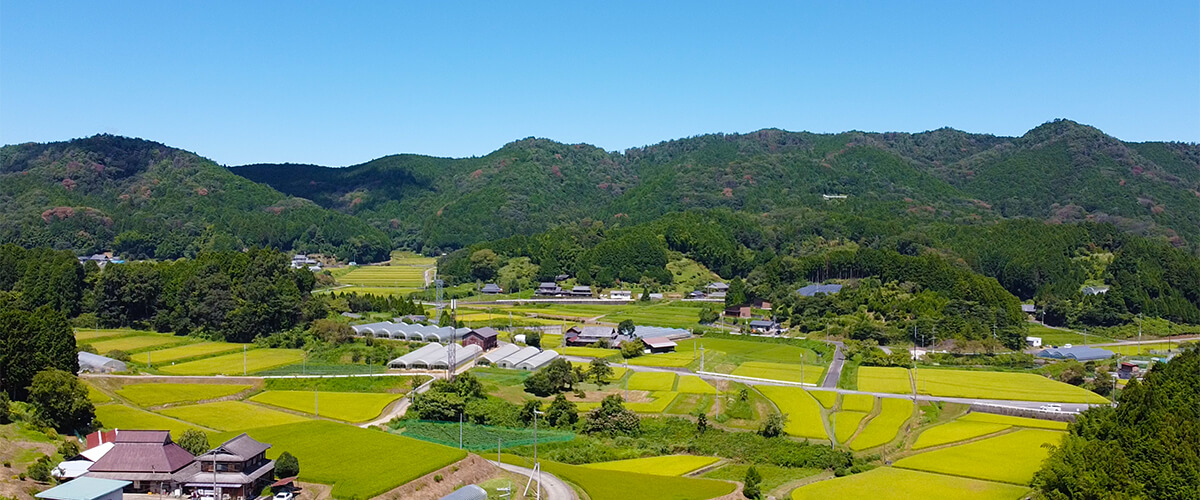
column 156, row 201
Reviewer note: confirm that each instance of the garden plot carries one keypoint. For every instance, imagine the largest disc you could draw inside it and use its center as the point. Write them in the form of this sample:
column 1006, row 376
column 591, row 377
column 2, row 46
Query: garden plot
column 888, row 483
column 884, row 427
column 155, row 394
column 345, row 406
column 803, row 412
column 231, row 415
column 1009, row 458
column 232, row 364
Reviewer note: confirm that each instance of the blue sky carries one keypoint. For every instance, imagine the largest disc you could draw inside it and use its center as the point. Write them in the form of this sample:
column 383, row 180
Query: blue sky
column 313, row 82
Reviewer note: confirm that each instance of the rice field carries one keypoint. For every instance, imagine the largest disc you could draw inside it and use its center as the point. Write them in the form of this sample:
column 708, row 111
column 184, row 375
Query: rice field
column 589, row 352
column 668, row 465
column 691, row 384
column 804, row 417
column 666, row 359
column 345, row 406
column 858, row 402
column 652, row 381
column 884, row 427
column 740, row 351
column 135, row 342
column 232, row 364
column 955, row 431
column 1010, row 458
column 117, row 416
column 1000, row 385
column 666, row 314
column 1142, row 349
column 386, row 276
column 353, row 459
column 690, row 404
column 1057, row 337
column 659, row 402
column 164, row 356
column 96, row 395
column 1033, row 423
column 826, row 398
column 148, row 395
column 811, row 374
column 772, row 476
column 845, row 424
column 884, row 379
column 84, row 335
column 621, row 485
column 889, row 483
column 231, row 415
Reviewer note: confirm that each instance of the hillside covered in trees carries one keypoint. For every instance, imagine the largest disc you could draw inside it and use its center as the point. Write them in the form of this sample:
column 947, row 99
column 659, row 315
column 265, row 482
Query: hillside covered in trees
column 1060, row 172
column 146, row 200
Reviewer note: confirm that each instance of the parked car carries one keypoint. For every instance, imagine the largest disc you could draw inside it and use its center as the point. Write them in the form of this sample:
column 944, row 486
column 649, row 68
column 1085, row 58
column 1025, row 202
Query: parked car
column 284, row 495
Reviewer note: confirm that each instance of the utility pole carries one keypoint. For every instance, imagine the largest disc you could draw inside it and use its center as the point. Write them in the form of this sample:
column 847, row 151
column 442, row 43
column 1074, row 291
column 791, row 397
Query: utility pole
column 1139, row 334
column 317, row 402
column 243, row 361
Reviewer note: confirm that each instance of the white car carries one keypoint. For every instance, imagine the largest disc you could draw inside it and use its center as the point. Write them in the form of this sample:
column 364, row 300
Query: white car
column 1052, row 408
column 284, row 495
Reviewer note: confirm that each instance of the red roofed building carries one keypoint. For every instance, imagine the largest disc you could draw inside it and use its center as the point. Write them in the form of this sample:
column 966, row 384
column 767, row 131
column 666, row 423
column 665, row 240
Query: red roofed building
column 149, row 460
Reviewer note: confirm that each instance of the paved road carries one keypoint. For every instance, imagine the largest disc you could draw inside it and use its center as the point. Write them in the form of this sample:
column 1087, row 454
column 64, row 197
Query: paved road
column 835, row 368
column 399, row 407
column 555, row 488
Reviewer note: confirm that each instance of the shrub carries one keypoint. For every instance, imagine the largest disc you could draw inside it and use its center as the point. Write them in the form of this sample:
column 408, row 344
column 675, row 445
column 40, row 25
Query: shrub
column 286, row 466
column 752, row 480
column 772, row 426
column 195, row 441
column 118, row 355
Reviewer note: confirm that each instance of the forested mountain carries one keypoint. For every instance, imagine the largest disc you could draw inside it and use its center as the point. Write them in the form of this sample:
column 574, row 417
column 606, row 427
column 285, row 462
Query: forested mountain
column 144, row 199
column 1059, row 172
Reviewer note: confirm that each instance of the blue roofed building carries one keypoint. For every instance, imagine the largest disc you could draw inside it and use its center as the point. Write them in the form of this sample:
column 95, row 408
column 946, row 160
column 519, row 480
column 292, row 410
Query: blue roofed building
column 87, row 488
column 1078, row 353
column 813, row 290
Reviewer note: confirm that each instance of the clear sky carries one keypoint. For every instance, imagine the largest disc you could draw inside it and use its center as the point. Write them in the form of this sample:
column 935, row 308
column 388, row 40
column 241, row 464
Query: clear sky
column 339, row 83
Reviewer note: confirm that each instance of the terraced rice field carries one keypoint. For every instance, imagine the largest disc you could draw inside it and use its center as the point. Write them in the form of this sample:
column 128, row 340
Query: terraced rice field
column 116, row 416
column 740, row 351
column 148, row 395
column 666, row 359
column 781, row 371
column 660, row 401
column 884, row 427
column 135, row 342
column 96, row 395
column 386, row 276
column 1010, row 458
column 231, row 364
column 1033, row 423
column 845, row 424
column 652, row 381
column 231, row 415
column 576, row 311
column 826, row 398
column 669, row 465
column 616, row 485
column 955, row 431
column 691, row 384
column 884, row 379
column 345, row 406
column 84, row 335
column 1142, row 349
column 666, row 314
column 858, row 402
column 165, row 356
column 772, row 476
column 690, row 404
column 1000, row 385
column 589, row 352
column 803, row 412
column 336, row 454
column 888, row 483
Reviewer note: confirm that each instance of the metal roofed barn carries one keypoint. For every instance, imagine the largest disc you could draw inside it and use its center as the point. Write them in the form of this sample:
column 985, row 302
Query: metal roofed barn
column 1080, row 353
column 813, row 290
column 499, row 353
column 86, row 488
column 537, row 361
column 517, row 357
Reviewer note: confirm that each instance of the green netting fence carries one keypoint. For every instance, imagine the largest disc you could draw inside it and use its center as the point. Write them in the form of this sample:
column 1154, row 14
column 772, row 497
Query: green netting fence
column 477, row 437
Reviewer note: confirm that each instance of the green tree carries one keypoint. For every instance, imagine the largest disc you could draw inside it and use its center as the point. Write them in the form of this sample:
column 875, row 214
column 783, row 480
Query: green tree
column 69, row 448
column 61, row 401
column 484, row 264
column 517, row 274
column 539, row 384
column 773, row 425
column 626, row 328
column 334, row 332
column 612, row 418
column 599, row 371
column 561, row 375
column 562, row 413
column 287, row 465
column 528, row 411
column 632, row 348
column 40, row 470
column 701, row 422
column 194, row 441
column 446, row 319
column 736, row 295
column 5, row 408
column 533, row 338
column 752, row 481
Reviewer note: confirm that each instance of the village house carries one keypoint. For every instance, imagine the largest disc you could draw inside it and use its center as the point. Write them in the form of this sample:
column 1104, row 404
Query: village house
column 238, row 468
column 486, row 338
column 149, row 460
column 581, row 336
column 764, row 326
column 548, row 289
column 620, row 295
column 761, row 304
column 740, row 312
column 491, row 289
column 581, row 291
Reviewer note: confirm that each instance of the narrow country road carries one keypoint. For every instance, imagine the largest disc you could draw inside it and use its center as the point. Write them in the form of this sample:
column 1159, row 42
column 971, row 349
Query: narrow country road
column 555, row 488
column 835, row 368
column 399, row 407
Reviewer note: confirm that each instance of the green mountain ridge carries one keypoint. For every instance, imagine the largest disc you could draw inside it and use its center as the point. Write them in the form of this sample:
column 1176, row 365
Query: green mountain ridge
column 1059, row 172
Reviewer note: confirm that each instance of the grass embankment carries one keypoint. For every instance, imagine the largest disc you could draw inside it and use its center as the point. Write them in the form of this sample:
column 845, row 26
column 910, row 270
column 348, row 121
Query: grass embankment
column 887, row 483
column 345, row 406
column 155, row 394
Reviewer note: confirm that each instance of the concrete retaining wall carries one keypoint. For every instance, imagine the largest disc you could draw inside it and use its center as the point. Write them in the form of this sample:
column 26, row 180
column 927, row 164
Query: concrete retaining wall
column 1024, row 412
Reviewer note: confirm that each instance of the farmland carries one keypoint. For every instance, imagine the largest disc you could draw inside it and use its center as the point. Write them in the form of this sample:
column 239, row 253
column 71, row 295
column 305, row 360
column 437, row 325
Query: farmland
column 667, row 359
column 666, row 314
column 84, row 335
column 345, row 406
column 804, row 413
column 359, row 463
column 477, row 437
column 659, row 402
column 858, row 402
column 147, row 395
column 652, row 381
column 773, row 476
column 615, row 485
column 135, row 342
column 1010, row 458
column 116, row 416
column 1058, row 336
column 231, row 364
column 826, row 398
column 668, row 465
column 231, row 415
column 1000, row 385
column 694, row 385
column 846, row 424
column 884, row 427
column 888, row 483
column 96, row 395
column 1014, row 421
column 589, row 352
column 386, row 276
column 877, row 379
column 1142, row 349
column 391, row 384
column 958, row 430
column 779, row 371
column 168, row 355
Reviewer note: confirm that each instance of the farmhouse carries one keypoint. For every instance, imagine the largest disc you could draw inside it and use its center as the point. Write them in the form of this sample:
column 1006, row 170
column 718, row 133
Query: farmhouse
column 581, row 291
column 96, row 363
column 498, row 354
column 580, row 336
column 1127, row 371
column 742, row 312
column 491, row 289
column 86, row 488
column 620, row 295
column 486, row 338
column 78, row 465
column 239, row 469
column 537, row 361
column 764, row 326
column 696, row 294
column 717, row 287
column 761, row 304
column 659, row 344
column 548, row 289
column 813, row 290
column 1078, row 353
column 149, row 460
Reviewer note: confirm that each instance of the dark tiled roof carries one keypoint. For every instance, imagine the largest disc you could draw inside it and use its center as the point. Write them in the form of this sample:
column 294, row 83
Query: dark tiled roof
column 159, row 437
column 144, row 457
column 486, row 332
column 241, row 448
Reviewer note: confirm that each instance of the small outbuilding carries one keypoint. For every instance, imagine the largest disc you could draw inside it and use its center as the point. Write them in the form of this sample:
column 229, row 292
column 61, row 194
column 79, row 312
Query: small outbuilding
column 659, row 344
column 87, row 488
column 740, row 312
column 96, row 363
column 620, row 295
column 581, row 291
column 486, row 338
column 1033, row 341
column 764, row 326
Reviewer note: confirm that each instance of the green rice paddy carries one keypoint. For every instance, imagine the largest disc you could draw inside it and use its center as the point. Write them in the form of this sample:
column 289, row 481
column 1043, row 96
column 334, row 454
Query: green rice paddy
column 803, row 412
column 84, row 335
column 232, row 364
column 692, row 384
column 231, row 415
column 617, row 485
column 858, row 402
column 955, row 431
column 846, row 424
column 884, row 379
column 667, row 465
column 1010, row 458
column 116, row 416
column 1000, row 385
column 386, row 276
column 1033, row 423
column 884, row 427
column 826, row 398
column 345, row 406
column 165, row 356
column 155, row 394
column 811, row 374
column 135, row 342
column 652, row 381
